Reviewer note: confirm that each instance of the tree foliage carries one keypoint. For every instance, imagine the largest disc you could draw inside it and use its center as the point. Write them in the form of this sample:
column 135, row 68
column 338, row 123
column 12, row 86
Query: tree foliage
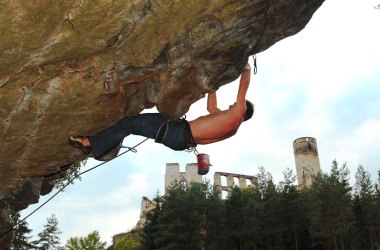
column 22, row 237
column 331, row 214
column 366, row 206
column 330, row 208
column 49, row 238
column 71, row 174
column 91, row 241
column 181, row 221
column 131, row 241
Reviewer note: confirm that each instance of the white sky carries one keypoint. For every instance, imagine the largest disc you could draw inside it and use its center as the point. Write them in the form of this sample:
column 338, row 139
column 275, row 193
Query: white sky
column 323, row 82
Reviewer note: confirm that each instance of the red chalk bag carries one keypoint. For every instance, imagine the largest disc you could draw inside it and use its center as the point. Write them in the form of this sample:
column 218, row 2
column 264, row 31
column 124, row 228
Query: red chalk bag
column 203, row 164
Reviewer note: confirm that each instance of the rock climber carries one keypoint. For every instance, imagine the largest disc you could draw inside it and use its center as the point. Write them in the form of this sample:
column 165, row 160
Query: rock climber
column 179, row 134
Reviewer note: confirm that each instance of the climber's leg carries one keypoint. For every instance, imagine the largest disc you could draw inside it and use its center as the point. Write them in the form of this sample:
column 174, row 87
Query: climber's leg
column 144, row 124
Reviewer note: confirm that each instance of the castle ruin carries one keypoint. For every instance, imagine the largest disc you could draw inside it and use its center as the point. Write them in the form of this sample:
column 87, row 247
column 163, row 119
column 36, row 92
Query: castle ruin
column 173, row 174
column 307, row 166
column 242, row 181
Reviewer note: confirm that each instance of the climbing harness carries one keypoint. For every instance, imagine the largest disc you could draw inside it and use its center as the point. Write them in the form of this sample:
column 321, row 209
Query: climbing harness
column 161, row 133
column 132, row 149
column 203, row 160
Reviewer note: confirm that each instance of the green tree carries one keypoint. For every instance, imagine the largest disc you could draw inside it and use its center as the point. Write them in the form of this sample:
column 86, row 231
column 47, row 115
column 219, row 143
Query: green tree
column 151, row 228
column 249, row 232
column 21, row 240
column 70, row 173
column 264, row 181
column 256, row 221
column 188, row 217
column 127, row 243
column 268, row 207
column 365, row 210
column 215, row 229
column 251, row 215
column 292, row 214
column 49, row 237
column 181, row 222
column 234, row 219
column 376, row 208
column 91, row 241
column 330, row 209
column 323, row 216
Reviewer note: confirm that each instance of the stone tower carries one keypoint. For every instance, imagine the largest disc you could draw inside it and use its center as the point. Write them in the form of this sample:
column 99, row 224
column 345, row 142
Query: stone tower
column 190, row 175
column 307, row 160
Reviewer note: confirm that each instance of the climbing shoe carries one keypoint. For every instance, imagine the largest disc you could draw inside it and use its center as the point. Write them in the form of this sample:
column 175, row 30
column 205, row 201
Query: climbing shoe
column 76, row 141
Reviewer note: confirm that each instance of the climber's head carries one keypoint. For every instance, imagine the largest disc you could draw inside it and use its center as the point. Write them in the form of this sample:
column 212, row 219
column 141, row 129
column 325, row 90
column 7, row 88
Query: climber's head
column 250, row 108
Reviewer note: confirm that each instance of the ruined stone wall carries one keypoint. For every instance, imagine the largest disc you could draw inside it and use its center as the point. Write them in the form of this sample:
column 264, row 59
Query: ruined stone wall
column 242, row 181
column 173, row 174
column 147, row 205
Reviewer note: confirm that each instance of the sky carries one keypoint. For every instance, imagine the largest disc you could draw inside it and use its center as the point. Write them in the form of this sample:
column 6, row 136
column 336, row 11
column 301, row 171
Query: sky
column 323, row 82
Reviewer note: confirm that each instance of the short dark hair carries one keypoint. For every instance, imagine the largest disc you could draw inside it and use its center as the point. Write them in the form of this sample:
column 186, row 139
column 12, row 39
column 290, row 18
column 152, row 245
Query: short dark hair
column 249, row 110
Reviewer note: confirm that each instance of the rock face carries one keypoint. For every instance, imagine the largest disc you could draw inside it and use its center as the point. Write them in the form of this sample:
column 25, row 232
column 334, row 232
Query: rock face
column 69, row 67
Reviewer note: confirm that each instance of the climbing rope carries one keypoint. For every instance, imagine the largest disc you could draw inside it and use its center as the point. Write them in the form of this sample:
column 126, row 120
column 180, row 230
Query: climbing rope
column 133, row 149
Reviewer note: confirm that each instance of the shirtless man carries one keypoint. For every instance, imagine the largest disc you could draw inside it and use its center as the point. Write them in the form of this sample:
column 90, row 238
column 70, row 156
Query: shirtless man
column 179, row 134
column 222, row 124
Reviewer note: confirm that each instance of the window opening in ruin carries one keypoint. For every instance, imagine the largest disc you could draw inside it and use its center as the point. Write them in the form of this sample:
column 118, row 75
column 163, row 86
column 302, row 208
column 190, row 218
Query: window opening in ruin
column 224, row 195
column 223, row 181
column 248, row 182
column 236, row 181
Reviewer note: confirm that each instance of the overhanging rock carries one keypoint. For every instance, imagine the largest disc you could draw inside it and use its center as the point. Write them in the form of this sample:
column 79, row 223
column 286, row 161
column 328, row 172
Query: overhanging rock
column 74, row 67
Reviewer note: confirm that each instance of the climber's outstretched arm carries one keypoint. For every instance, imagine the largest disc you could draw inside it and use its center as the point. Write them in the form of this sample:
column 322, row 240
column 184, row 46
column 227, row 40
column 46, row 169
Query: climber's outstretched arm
column 212, row 104
column 244, row 84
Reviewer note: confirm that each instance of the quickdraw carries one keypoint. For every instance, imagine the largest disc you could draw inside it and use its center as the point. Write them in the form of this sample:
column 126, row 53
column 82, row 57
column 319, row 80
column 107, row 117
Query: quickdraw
column 254, row 64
